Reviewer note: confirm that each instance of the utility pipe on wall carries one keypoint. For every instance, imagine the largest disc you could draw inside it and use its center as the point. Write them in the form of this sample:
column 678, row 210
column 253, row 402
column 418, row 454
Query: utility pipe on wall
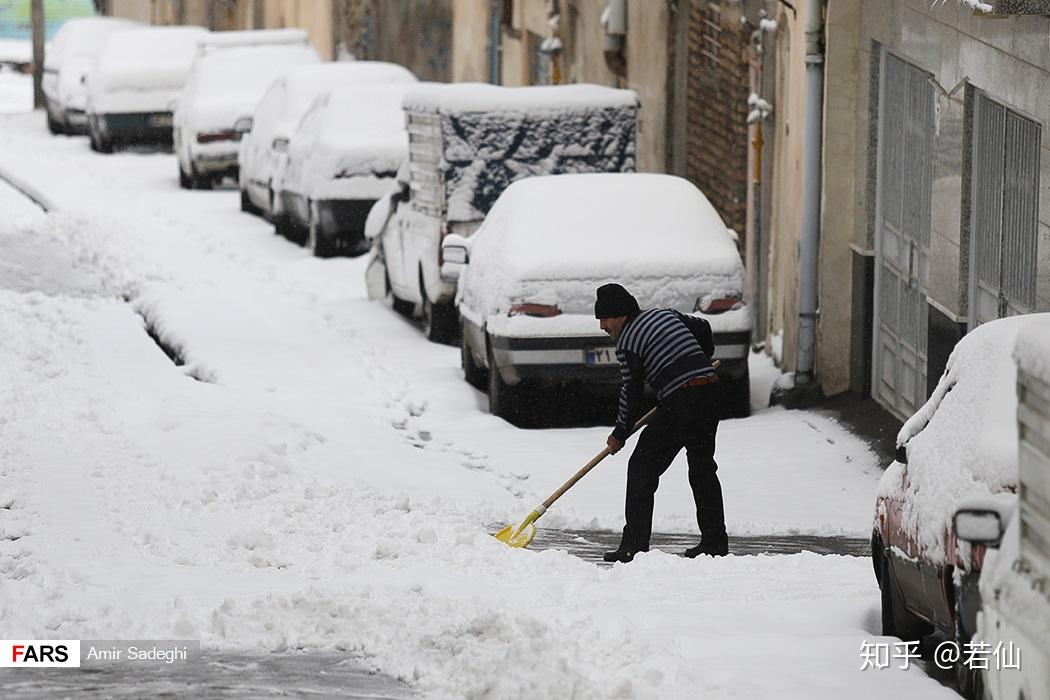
column 809, row 244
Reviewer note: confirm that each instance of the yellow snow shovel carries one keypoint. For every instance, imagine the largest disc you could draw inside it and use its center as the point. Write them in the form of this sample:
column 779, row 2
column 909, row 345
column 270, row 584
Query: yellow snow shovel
column 521, row 535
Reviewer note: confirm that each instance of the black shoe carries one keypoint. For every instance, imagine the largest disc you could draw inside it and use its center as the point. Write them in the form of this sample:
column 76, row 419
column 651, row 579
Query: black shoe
column 622, row 555
column 711, row 549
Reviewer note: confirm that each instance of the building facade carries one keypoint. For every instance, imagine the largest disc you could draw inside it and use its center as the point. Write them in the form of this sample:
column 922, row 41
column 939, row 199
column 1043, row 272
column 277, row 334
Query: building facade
column 935, row 192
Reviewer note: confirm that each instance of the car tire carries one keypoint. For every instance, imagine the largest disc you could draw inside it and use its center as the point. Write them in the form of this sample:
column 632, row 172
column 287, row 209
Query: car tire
column 474, row 375
column 502, row 397
column 738, row 397
column 316, row 241
column 440, row 321
column 184, row 180
column 896, row 620
column 52, row 124
column 246, row 204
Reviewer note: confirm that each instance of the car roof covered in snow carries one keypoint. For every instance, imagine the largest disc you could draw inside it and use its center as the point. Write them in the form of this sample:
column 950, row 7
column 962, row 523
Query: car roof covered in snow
column 255, row 37
column 306, row 82
column 473, row 97
column 148, row 57
column 84, row 36
column 609, row 224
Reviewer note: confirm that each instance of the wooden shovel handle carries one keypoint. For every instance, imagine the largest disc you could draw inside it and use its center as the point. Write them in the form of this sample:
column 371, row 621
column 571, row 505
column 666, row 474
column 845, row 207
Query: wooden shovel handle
column 602, row 455
column 593, row 463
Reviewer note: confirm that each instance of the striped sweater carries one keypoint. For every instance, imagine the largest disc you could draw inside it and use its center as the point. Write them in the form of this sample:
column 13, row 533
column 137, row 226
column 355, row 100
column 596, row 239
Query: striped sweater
column 664, row 349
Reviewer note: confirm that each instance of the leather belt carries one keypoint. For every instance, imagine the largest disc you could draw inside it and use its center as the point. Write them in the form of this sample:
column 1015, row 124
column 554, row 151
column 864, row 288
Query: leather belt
column 701, row 381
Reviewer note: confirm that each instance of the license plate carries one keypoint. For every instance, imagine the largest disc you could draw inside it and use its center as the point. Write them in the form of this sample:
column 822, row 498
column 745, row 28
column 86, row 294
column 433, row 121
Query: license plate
column 600, row 356
column 160, row 120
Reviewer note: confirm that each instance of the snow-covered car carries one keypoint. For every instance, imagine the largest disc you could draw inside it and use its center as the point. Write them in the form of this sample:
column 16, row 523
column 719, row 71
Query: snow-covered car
column 961, row 445
column 281, row 109
column 467, row 143
column 341, row 159
column 133, row 84
column 223, row 88
column 67, row 61
column 527, row 279
column 1014, row 622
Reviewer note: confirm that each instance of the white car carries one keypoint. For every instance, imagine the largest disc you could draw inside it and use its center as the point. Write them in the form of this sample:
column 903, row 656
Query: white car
column 69, row 57
column 133, row 84
column 280, row 111
column 527, row 279
column 342, row 158
column 223, row 88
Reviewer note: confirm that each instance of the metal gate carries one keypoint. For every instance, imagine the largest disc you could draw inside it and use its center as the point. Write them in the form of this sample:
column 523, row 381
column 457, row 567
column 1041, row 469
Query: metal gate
column 902, row 244
column 1005, row 201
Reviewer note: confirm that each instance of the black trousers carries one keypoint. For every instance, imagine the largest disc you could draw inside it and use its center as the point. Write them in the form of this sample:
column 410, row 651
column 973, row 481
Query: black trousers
column 686, row 418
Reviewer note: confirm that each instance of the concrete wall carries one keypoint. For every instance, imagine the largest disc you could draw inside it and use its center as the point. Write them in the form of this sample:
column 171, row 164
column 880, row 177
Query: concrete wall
column 648, row 74
column 470, row 29
column 416, row 34
column 786, row 217
column 843, row 192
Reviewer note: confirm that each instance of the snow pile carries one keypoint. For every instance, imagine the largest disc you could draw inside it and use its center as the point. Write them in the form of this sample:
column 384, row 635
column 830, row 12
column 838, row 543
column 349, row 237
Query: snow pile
column 16, row 92
column 554, row 240
column 349, row 145
column 962, row 443
column 493, row 136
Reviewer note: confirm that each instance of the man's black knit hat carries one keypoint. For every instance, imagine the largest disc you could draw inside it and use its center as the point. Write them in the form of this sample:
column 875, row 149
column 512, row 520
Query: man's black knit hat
column 614, row 300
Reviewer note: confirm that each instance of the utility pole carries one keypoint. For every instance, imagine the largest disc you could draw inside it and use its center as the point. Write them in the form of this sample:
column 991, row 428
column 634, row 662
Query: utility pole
column 38, row 53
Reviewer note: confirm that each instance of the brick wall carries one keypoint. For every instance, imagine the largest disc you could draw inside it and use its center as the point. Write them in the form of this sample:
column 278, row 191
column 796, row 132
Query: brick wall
column 717, row 90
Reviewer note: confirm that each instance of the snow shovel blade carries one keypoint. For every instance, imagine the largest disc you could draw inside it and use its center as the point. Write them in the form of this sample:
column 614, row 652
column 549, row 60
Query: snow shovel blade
column 519, row 536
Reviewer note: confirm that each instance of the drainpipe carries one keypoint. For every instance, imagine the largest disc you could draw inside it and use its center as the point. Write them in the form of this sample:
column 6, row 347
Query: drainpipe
column 495, row 31
column 808, row 249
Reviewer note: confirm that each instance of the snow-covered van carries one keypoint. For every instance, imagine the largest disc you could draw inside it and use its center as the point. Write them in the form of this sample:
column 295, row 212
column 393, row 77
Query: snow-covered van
column 1014, row 623
column 133, row 84
column 467, row 143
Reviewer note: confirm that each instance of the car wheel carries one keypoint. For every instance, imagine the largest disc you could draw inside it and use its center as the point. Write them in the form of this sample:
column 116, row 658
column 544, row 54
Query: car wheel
column 502, row 397
column 474, row 375
column 896, row 621
column 738, row 397
column 52, row 124
column 440, row 321
column 246, row 204
column 320, row 246
column 184, row 180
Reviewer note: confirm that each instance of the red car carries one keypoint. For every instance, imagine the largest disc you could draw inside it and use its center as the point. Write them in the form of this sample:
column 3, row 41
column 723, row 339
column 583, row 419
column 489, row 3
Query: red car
column 960, row 446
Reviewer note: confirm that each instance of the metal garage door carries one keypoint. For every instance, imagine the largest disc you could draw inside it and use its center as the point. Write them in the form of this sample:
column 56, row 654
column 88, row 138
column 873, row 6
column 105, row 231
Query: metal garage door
column 902, row 243
column 1005, row 199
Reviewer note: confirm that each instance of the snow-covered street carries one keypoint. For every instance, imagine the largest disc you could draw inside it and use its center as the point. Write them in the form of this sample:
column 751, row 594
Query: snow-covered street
column 309, row 472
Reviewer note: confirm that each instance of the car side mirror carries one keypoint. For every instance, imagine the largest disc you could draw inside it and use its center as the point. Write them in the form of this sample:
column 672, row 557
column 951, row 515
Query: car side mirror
column 902, row 454
column 455, row 255
column 243, row 125
column 978, row 526
column 280, row 145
